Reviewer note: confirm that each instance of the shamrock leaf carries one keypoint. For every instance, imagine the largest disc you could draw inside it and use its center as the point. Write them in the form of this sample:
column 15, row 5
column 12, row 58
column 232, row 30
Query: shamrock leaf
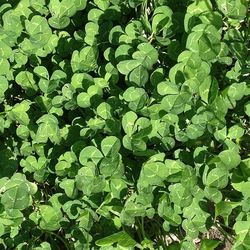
column 48, row 129
column 161, row 19
column 85, row 60
column 50, row 218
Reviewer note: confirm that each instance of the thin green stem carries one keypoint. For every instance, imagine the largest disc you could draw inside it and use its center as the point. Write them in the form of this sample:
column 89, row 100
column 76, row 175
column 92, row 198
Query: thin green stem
column 138, row 231
column 33, row 241
column 61, row 239
column 142, row 228
column 145, row 9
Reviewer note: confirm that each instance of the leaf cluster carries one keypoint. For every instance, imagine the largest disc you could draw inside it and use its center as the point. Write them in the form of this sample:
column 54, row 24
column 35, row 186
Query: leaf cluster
column 124, row 124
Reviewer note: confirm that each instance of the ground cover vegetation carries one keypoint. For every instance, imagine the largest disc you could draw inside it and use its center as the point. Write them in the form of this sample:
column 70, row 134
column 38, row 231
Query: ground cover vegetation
column 124, row 124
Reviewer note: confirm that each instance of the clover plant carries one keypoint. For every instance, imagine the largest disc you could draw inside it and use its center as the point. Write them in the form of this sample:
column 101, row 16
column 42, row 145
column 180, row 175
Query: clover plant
column 124, row 124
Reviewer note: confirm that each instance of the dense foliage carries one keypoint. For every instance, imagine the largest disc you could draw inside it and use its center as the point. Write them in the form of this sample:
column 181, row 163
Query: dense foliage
column 124, row 124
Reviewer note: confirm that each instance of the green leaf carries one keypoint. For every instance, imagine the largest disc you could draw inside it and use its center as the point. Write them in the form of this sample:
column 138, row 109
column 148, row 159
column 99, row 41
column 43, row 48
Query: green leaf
column 117, row 186
column 38, row 30
column 213, row 194
column 137, row 98
column 88, row 153
column 180, row 195
column 62, row 168
column 123, row 52
column 26, row 80
column 195, row 131
column 41, row 72
column 139, row 76
column 84, row 60
column 83, row 100
column 153, row 174
column 167, row 88
column 125, row 67
column 110, row 146
column 69, row 186
column 122, row 121
column 224, row 209
column 103, row 5
column 4, row 66
column 80, row 4
column 48, row 129
column 17, row 197
column 236, row 91
column 128, row 121
column 146, row 54
column 43, row 246
column 4, row 85
column 205, row 40
column 5, row 50
column 104, row 110
column 122, row 238
column 247, row 109
column 173, row 167
column 161, row 19
column 230, row 158
column 217, row 177
column 209, row 244
column 233, row 9
column 50, row 218
column 22, row 131
column 242, row 229
column 19, row 112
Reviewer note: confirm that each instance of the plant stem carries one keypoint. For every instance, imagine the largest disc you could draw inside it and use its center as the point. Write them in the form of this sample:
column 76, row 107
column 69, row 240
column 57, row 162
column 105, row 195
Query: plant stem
column 33, row 241
column 139, row 235
column 142, row 227
column 61, row 239
column 141, row 230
